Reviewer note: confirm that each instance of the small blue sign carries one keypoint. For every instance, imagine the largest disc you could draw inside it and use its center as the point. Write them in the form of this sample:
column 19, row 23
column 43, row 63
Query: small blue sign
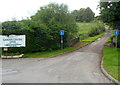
column 116, row 32
column 62, row 32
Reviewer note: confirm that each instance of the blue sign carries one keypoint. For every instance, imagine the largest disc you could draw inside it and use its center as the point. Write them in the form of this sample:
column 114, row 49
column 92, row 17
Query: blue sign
column 62, row 32
column 116, row 32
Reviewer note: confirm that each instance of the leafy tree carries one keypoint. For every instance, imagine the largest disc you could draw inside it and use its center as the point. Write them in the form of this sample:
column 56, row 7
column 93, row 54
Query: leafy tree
column 89, row 15
column 42, row 31
column 83, row 15
column 57, row 17
column 110, row 14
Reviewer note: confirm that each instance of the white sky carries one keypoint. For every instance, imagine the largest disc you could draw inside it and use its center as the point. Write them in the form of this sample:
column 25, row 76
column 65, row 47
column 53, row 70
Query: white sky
column 25, row 8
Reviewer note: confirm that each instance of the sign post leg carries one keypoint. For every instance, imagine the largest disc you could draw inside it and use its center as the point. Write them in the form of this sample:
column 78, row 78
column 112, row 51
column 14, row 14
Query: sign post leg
column 61, row 42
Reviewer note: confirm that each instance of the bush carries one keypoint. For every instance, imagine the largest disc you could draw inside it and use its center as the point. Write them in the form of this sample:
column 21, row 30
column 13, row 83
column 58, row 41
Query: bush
column 97, row 30
column 42, row 31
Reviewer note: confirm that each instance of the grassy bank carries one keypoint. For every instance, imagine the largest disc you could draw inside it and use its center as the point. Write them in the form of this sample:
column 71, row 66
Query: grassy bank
column 110, row 61
column 110, row 39
column 52, row 53
column 92, row 39
column 48, row 54
column 86, row 29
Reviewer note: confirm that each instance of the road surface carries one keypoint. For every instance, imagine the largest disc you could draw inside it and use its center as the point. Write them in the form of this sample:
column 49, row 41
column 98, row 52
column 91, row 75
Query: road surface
column 81, row 66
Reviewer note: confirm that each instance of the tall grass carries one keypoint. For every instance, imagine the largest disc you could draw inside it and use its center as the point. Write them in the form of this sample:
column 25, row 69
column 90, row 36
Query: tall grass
column 90, row 29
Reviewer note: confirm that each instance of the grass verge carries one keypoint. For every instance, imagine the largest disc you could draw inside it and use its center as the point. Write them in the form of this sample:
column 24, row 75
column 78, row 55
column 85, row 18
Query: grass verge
column 110, row 61
column 86, row 28
column 110, row 39
column 92, row 39
column 52, row 53
column 48, row 54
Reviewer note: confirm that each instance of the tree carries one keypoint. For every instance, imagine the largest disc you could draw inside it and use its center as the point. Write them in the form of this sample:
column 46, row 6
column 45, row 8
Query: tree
column 89, row 15
column 56, row 17
column 110, row 14
column 42, row 30
column 83, row 15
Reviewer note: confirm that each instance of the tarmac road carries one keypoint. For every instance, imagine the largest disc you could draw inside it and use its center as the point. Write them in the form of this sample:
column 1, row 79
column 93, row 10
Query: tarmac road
column 81, row 66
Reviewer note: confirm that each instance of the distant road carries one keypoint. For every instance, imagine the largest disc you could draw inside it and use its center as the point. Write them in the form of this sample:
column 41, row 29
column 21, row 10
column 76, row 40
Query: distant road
column 81, row 66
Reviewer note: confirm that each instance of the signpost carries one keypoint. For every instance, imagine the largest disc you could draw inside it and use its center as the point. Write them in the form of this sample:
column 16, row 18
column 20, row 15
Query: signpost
column 116, row 32
column 62, row 33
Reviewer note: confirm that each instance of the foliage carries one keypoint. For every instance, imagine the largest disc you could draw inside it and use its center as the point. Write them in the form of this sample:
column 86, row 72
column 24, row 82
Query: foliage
column 111, row 37
column 90, row 29
column 92, row 39
column 110, row 14
column 42, row 31
column 83, row 15
column 57, row 17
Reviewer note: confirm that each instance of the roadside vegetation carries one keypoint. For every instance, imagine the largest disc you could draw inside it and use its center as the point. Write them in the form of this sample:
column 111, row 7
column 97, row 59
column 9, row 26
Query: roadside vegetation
column 48, row 54
column 112, row 35
column 111, row 38
column 110, row 61
column 42, row 30
column 56, row 52
column 87, row 27
column 111, row 57
column 92, row 39
column 90, row 29
column 111, row 18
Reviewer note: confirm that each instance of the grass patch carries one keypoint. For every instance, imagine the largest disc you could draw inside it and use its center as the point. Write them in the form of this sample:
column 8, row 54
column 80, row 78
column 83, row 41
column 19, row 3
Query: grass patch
column 10, row 54
column 110, row 61
column 52, row 53
column 86, row 28
column 48, row 54
column 110, row 39
column 92, row 39
column 112, row 35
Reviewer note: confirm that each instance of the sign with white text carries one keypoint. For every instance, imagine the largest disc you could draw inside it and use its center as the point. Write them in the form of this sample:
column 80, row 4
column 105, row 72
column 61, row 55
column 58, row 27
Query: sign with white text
column 116, row 32
column 61, row 32
column 12, row 41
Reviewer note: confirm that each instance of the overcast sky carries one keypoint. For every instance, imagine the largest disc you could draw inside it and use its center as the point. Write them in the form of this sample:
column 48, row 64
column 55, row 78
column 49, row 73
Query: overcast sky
column 25, row 8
